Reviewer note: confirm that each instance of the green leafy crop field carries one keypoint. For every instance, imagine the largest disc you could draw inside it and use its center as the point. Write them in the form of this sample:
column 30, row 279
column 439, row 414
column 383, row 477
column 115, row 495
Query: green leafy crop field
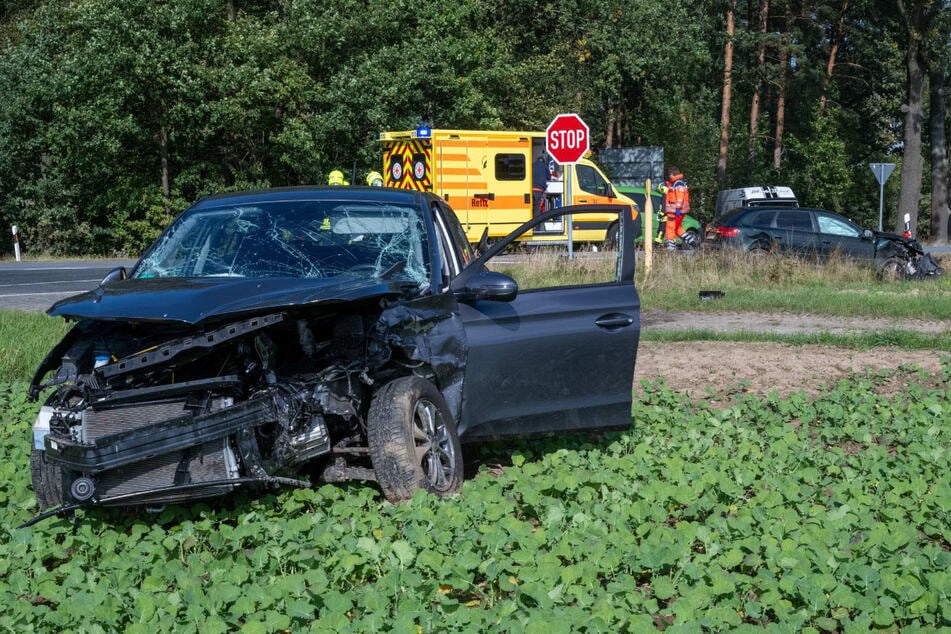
column 824, row 515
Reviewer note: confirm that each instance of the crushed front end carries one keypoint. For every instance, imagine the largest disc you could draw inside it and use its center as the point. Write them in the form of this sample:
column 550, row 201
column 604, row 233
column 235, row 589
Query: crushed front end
column 154, row 413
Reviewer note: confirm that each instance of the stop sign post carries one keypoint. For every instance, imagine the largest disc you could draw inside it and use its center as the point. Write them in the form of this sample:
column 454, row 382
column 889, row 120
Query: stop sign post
column 567, row 140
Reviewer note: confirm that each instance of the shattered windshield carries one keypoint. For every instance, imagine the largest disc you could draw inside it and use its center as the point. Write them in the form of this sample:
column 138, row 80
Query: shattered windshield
column 298, row 239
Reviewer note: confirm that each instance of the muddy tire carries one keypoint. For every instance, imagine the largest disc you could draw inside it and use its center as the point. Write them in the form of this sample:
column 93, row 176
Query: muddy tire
column 48, row 481
column 413, row 441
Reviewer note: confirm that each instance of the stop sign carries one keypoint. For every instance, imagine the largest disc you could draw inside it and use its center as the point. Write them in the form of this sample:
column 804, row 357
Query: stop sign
column 567, row 138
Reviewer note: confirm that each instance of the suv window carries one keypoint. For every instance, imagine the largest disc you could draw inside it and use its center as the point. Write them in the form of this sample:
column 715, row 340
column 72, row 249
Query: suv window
column 761, row 219
column 456, row 233
column 837, row 226
column 794, row 220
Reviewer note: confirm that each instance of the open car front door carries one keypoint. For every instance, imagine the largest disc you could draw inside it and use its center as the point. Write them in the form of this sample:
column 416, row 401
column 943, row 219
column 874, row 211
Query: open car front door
column 552, row 358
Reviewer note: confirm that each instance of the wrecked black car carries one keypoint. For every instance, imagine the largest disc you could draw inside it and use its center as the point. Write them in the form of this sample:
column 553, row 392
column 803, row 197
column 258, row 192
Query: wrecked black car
column 342, row 332
column 820, row 234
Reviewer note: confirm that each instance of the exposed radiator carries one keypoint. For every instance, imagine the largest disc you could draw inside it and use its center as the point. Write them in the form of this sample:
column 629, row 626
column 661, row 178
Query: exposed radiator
column 212, row 461
column 99, row 423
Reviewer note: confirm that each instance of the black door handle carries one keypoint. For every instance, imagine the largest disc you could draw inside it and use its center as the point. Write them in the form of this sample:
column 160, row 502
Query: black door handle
column 614, row 320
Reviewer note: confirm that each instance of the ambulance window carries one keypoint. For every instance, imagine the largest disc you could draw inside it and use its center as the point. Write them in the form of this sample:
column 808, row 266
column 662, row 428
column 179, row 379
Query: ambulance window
column 510, row 167
column 590, row 181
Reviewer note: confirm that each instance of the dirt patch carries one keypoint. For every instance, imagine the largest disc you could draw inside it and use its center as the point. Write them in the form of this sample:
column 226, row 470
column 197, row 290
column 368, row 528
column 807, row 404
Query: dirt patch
column 730, row 367
column 784, row 323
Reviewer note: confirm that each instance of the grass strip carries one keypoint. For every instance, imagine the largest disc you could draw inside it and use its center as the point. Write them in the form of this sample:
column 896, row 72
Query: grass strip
column 25, row 338
column 771, row 284
column 864, row 341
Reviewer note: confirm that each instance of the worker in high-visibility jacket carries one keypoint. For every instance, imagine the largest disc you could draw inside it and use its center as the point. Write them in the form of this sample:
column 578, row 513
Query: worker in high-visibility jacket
column 336, row 179
column 676, row 205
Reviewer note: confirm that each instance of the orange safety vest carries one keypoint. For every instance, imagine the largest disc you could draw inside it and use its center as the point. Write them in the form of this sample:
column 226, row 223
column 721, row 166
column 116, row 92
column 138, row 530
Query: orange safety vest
column 677, row 197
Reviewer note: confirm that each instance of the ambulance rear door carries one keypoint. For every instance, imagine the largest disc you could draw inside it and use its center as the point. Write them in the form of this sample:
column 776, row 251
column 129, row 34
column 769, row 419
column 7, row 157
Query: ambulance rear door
column 509, row 172
column 458, row 166
column 408, row 164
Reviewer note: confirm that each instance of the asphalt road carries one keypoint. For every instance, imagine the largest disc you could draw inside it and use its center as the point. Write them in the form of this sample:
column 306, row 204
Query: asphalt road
column 35, row 286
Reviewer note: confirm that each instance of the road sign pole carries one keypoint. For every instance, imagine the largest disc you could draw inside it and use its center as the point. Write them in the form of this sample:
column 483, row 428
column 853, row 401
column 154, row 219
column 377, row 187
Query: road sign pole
column 568, row 194
column 882, row 171
column 881, row 203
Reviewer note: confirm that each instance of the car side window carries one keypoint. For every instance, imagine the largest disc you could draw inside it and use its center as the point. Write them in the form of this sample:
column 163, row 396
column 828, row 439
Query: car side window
column 542, row 267
column 448, row 264
column 836, row 226
column 761, row 219
column 456, row 233
column 794, row 220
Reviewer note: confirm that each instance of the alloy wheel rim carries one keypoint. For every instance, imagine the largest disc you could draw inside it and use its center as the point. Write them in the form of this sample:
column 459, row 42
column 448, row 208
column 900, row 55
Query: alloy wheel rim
column 435, row 451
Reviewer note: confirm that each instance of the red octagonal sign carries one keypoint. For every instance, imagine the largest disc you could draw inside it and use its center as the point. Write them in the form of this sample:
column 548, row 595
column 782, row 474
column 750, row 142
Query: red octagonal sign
column 567, row 138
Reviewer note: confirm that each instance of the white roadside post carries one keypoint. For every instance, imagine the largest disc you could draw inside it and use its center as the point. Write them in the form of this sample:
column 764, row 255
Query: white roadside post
column 567, row 140
column 882, row 171
column 647, row 227
column 16, row 242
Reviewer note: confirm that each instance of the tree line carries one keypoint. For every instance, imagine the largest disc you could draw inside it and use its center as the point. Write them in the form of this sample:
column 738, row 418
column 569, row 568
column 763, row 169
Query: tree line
column 117, row 113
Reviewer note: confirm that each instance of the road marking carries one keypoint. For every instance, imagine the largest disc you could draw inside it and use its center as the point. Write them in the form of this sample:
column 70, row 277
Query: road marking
column 49, row 268
column 39, row 283
column 46, row 293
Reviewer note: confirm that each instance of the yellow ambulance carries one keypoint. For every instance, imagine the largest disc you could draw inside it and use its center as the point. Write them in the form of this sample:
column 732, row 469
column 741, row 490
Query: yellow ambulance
column 498, row 180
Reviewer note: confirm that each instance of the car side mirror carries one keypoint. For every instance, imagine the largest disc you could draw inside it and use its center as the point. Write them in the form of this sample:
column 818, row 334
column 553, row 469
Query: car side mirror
column 116, row 274
column 489, row 285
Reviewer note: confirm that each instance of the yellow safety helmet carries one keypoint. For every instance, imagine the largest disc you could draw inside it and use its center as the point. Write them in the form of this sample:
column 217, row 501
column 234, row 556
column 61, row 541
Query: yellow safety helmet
column 336, row 178
column 375, row 179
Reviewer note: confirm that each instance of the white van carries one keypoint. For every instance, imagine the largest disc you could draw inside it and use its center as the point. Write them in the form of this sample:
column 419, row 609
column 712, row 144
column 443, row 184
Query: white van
column 773, row 195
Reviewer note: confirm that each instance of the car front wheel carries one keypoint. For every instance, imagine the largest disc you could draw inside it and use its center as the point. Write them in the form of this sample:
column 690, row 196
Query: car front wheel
column 413, row 441
column 892, row 269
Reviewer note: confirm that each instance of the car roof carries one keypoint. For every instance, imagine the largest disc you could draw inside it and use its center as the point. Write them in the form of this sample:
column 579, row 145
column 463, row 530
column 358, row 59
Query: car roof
column 736, row 212
column 784, row 208
column 277, row 194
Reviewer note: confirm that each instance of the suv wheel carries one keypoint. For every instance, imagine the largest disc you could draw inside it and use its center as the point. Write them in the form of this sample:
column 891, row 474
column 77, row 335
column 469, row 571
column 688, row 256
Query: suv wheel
column 413, row 441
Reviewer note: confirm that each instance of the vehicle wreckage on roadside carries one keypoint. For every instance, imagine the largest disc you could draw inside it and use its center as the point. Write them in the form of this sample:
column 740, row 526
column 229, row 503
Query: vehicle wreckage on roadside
column 348, row 329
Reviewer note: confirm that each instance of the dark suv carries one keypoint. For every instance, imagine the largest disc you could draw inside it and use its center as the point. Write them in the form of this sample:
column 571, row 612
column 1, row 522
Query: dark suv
column 811, row 233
